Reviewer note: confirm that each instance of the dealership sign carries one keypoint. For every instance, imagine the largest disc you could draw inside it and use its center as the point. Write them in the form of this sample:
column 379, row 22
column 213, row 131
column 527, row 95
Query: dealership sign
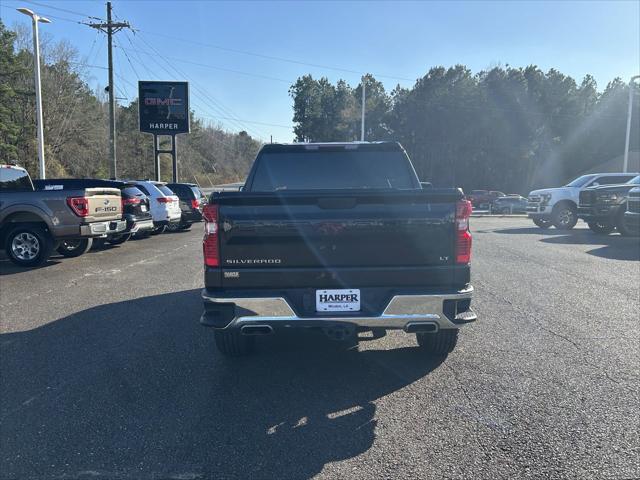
column 164, row 107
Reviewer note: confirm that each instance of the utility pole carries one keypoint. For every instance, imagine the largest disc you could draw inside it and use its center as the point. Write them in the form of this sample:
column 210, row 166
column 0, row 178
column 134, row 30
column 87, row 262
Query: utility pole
column 364, row 96
column 110, row 28
column 632, row 86
column 35, row 19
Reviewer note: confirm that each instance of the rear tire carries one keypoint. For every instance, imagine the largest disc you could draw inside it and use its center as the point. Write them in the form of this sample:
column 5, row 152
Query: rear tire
column 186, row 227
column 28, row 246
column 158, row 230
column 173, row 227
column 232, row 343
column 119, row 239
column 564, row 216
column 601, row 228
column 438, row 344
column 542, row 223
column 74, row 247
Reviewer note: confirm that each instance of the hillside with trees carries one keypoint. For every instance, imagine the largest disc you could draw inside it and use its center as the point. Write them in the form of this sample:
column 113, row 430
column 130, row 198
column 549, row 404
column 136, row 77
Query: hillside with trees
column 76, row 124
column 509, row 129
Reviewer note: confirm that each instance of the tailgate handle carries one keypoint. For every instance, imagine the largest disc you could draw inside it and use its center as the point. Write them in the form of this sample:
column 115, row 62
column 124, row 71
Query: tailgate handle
column 335, row 203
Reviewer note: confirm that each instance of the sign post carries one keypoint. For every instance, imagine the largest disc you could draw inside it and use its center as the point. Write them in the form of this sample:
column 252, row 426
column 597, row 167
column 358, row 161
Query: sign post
column 164, row 110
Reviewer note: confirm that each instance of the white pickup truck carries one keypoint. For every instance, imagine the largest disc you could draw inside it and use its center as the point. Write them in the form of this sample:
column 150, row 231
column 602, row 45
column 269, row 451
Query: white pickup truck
column 559, row 206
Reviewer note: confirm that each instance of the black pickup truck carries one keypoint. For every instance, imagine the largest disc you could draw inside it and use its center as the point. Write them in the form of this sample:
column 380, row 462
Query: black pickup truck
column 603, row 207
column 341, row 237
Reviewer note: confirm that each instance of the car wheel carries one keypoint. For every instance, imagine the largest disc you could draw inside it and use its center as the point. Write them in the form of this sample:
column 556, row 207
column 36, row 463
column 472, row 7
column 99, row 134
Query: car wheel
column 119, row 239
column 438, row 344
column 564, row 217
column 232, row 343
column 173, row 227
column 28, row 246
column 601, row 228
column 158, row 230
column 186, row 226
column 98, row 243
column 542, row 223
column 142, row 235
column 621, row 226
column 74, row 247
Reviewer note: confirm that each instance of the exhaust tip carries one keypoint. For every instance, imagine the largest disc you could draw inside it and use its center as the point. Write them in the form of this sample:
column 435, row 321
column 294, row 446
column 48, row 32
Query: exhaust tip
column 421, row 327
column 256, row 330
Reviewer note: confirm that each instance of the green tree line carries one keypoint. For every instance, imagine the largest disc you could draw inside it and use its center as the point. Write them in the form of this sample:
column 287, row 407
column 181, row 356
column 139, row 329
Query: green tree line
column 76, row 124
column 510, row 129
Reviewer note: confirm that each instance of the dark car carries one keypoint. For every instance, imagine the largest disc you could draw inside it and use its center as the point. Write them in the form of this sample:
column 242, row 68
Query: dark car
column 135, row 204
column 603, row 207
column 509, row 204
column 192, row 201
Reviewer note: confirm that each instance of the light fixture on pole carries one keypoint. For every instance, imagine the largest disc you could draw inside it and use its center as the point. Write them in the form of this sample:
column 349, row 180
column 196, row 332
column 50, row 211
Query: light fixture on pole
column 35, row 19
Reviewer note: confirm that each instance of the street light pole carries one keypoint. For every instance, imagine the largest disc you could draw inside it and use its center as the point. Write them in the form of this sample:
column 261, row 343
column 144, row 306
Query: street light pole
column 35, row 19
column 363, row 109
column 625, row 164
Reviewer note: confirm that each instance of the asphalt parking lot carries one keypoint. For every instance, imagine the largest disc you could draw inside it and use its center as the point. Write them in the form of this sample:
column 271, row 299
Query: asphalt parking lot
column 106, row 373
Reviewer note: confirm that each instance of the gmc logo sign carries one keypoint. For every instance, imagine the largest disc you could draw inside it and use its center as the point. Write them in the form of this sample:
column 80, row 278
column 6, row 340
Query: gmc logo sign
column 163, row 101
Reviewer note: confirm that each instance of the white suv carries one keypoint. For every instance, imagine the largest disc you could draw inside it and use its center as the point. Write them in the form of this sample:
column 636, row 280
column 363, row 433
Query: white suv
column 163, row 203
column 559, row 206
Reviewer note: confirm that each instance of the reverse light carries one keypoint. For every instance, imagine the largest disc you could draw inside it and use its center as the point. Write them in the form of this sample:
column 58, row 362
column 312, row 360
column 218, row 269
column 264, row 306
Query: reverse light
column 210, row 241
column 463, row 236
column 79, row 205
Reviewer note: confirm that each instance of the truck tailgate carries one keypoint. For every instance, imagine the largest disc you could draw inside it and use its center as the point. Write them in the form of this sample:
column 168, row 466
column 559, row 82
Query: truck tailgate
column 333, row 231
column 104, row 204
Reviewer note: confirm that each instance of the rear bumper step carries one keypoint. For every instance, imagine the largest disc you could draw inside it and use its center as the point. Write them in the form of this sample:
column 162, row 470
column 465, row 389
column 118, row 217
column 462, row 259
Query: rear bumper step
column 411, row 313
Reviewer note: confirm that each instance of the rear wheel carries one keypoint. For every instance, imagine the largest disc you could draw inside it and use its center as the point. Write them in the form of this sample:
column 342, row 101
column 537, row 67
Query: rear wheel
column 119, row 239
column 232, row 343
column 601, row 228
column 74, row 247
column 564, row 216
column 542, row 223
column 28, row 246
column 186, row 226
column 173, row 227
column 158, row 230
column 438, row 344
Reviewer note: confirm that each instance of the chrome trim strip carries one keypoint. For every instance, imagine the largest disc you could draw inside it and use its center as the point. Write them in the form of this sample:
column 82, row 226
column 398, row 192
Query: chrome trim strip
column 401, row 310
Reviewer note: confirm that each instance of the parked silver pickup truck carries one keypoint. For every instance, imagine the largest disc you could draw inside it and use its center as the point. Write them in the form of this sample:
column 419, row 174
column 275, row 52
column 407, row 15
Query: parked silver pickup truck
column 33, row 223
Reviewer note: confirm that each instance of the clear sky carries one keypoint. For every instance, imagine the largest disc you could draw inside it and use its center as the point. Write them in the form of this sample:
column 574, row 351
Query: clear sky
column 397, row 39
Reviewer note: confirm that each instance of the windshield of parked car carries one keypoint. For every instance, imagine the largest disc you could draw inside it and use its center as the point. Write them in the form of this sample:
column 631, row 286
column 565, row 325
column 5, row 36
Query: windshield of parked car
column 164, row 189
column 635, row 180
column 334, row 169
column 581, row 181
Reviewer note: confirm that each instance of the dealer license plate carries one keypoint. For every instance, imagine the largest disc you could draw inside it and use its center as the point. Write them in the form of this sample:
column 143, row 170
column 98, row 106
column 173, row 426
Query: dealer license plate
column 342, row 300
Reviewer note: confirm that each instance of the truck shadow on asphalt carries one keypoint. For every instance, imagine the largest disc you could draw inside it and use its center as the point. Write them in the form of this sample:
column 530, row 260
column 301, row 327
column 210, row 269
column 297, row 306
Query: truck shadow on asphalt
column 136, row 389
column 614, row 246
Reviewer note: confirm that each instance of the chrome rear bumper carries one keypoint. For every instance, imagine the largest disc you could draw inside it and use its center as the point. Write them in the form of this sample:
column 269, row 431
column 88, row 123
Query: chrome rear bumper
column 400, row 313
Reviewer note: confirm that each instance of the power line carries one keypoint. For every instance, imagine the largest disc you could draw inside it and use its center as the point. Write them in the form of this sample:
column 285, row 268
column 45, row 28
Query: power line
column 272, row 57
column 239, row 72
column 73, row 12
column 221, row 107
column 250, row 121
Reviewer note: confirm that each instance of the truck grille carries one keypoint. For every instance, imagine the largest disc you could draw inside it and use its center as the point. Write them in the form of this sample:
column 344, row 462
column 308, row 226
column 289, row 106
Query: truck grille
column 633, row 205
column 586, row 198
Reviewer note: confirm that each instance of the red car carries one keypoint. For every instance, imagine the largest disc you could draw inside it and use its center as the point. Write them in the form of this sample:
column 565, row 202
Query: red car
column 483, row 198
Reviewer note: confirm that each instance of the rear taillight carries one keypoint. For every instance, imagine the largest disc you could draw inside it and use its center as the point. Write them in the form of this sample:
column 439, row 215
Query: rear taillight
column 79, row 205
column 210, row 242
column 131, row 201
column 463, row 236
column 195, row 203
column 164, row 199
